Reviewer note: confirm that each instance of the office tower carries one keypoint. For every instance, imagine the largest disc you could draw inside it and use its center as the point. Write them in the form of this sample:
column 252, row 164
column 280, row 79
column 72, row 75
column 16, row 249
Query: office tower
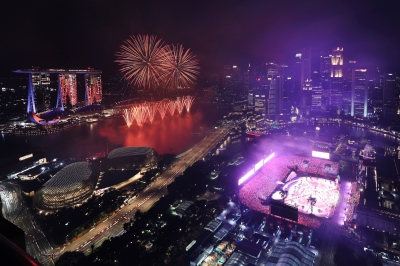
column 375, row 92
column 389, row 96
column 306, row 95
column 305, row 66
column 246, row 84
column 232, row 83
column 297, row 81
column 336, row 90
column 275, row 89
column 359, row 93
column 325, row 71
column 258, row 88
column 316, row 96
column 287, row 95
column 346, row 106
column 337, row 62
column 266, row 82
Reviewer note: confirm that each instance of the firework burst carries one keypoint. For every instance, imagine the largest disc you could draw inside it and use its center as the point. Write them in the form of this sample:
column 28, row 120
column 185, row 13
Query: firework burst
column 143, row 60
column 182, row 69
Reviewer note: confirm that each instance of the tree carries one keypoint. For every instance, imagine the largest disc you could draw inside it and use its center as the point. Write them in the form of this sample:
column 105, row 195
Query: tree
column 72, row 259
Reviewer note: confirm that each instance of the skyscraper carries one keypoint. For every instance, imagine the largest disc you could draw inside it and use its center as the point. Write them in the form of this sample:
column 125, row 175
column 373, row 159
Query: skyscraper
column 337, row 62
column 325, row 72
column 359, row 93
column 389, row 97
column 336, row 90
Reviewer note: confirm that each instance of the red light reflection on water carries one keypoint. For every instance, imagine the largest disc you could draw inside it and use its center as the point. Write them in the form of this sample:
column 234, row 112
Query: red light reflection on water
column 171, row 135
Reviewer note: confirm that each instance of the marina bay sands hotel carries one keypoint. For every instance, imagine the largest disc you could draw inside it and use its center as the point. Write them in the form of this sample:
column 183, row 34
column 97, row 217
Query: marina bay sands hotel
column 39, row 81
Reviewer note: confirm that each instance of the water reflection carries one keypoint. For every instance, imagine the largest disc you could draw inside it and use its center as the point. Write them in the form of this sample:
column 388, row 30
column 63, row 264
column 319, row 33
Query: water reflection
column 171, row 135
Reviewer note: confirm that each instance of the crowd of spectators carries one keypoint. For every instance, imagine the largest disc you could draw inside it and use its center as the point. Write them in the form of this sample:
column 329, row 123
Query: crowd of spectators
column 315, row 166
column 352, row 201
column 264, row 182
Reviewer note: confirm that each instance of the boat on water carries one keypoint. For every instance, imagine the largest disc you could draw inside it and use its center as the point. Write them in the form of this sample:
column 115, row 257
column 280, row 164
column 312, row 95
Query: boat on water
column 92, row 119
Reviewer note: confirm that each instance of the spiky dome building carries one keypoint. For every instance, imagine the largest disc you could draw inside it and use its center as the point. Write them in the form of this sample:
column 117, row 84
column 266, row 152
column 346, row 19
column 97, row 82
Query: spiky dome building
column 71, row 186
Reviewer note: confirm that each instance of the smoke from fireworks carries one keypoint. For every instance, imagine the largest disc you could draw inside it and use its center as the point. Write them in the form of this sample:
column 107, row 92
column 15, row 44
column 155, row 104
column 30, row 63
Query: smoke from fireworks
column 143, row 60
column 146, row 62
column 141, row 112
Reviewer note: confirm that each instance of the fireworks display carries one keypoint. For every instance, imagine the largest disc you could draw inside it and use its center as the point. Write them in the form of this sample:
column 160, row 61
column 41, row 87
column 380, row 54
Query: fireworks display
column 182, row 67
column 163, row 108
column 188, row 101
column 147, row 63
column 179, row 105
column 143, row 60
column 141, row 112
column 171, row 107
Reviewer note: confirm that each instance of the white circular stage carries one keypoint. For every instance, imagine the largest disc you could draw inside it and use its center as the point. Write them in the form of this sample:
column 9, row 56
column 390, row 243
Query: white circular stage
column 314, row 195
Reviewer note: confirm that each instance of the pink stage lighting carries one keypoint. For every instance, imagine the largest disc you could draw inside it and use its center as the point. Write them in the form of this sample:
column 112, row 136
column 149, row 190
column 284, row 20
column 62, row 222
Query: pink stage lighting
column 246, row 176
column 256, row 167
column 320, row 154
column 269, row 157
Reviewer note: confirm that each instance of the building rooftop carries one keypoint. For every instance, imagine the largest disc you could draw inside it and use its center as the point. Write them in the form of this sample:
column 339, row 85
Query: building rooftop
column 73, row 173
column 129, row 151
column 249, row 248
column 240, row 259
column 290, row 254
column 213, row 225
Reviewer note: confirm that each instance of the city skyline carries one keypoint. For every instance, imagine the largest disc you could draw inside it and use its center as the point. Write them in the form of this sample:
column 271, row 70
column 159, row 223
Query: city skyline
column 48, row 34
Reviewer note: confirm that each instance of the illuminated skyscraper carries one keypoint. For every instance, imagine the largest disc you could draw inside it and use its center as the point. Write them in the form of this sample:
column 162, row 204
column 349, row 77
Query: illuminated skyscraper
column 93, row 92
column 275, row 77
column 325, row 71
column 39, row 82
column 336, row 89
column 232, row 84
column 305, row 65
column 337, row 62
column 316, row 97
column 389, row 96
column 41, row 90
column 359, row 93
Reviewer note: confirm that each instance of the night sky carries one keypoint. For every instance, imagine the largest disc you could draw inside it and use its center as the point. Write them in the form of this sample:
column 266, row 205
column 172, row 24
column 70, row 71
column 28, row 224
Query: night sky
column 78, row 34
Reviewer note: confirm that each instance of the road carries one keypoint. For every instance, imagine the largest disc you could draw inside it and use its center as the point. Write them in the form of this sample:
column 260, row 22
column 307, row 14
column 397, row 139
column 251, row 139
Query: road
column 113, row 226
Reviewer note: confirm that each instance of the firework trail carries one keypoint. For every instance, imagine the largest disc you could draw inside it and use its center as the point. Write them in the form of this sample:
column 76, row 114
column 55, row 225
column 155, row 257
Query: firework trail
column 188, row 101
column 143, row 60
column 142, row 114
column 179, row 104
column 171, row 107
column 182, row 67
column 163, row 108
column 152, row 110
column 127, row 114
